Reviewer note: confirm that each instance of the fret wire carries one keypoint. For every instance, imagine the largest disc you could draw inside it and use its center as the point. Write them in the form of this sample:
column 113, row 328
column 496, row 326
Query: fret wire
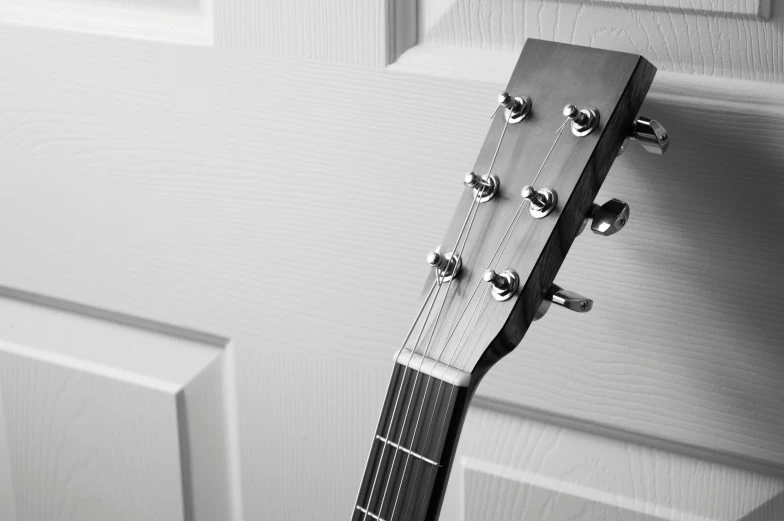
column 368, row 513
column 435, row 326
column 404, row 449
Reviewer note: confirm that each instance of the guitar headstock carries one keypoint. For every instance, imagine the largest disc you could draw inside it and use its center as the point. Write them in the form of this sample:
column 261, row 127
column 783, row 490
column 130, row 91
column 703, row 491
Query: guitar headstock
column 567, row 113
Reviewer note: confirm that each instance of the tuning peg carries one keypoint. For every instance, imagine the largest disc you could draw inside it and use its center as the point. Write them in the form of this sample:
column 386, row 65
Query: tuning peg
column 542, row 201
column 564, row 298
column 608, row 218
column 447, row 266
column 485, row 187
column 517, row 108
column 503, row 285
column 583, row 120
column 650, row 134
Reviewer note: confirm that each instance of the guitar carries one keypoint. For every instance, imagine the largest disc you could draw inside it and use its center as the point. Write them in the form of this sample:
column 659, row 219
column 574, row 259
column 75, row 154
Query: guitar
column 567, row 113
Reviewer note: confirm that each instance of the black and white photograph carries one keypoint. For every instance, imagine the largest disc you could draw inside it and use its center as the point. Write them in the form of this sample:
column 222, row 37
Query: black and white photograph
column 391, row 260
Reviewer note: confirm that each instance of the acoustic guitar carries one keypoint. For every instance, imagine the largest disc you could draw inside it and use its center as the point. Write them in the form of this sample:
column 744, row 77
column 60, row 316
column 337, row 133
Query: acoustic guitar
column 567, row 113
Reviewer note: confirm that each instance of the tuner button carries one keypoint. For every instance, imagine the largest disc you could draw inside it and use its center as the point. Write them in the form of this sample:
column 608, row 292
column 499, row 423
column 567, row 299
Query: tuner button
column 583, row 121
column 542, row 201
column 651, row 135
column 610, row 217
column 564, row 298
column 503, row 285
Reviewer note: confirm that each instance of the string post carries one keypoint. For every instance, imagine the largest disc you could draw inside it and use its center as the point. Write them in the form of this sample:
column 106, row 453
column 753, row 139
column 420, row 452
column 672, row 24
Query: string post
column 584, row 121
column 503, row 284
column 516, row 108
column 485, row 187
column 543, row 201
column 447, row 265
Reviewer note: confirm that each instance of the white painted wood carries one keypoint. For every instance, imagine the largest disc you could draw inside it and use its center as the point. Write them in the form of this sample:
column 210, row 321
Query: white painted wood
column 204, row 440
column 737, row 8
column 730, row 39
column 349, row 31
column 171, row 21
column 107, row 420
column 362, row 32
column 187, row 186
column 517, row 469
column 7, row 501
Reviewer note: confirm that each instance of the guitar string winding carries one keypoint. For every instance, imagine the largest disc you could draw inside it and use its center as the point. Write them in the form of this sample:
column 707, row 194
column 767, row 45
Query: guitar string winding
column 427, row 349
column 505, row 239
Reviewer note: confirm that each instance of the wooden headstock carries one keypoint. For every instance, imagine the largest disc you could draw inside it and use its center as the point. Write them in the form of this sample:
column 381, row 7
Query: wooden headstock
column 461, row 324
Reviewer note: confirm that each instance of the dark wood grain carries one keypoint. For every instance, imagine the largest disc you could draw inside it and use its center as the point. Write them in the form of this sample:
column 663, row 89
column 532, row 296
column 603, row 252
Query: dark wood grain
column 553, row 75
column 617, row 128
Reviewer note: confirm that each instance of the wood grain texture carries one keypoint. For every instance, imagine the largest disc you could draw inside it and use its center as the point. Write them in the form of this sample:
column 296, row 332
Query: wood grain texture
column 361, row 32
column 107, row 421
column 157, row 198
column 553, row 75
column 723, row 39
column 85, row 447
column 740, row 8
column 171, row 21
column 516, row 469
column 7, row 501
column 205, row 447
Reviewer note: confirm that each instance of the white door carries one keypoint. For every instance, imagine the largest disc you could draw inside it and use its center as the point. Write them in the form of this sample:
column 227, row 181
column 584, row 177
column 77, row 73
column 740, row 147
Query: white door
column 211, row 248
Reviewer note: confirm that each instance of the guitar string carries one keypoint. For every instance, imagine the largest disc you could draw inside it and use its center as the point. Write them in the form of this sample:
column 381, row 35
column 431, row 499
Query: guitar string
column 427, row 349
column 408, row 335
column 560, row 132
column 483, row 299
column 439, row 283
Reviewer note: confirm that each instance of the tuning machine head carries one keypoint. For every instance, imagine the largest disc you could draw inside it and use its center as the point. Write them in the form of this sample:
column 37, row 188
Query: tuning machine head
column 584, row 121
column 503, row 285
column 542, row 201
column 607, row 219
column 447, row 265
column 650, row 134
column 516, row 108
column 485, row 187
column 564, row 298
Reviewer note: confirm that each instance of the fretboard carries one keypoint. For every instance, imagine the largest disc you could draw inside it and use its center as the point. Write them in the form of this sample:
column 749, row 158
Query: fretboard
column 410, row 456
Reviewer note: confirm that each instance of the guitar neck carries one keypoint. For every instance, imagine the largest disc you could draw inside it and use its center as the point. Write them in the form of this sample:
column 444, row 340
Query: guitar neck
column 414, row 445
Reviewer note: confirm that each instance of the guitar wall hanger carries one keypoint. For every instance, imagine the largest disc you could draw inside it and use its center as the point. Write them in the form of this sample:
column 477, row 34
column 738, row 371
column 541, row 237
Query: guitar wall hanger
column 498, row 275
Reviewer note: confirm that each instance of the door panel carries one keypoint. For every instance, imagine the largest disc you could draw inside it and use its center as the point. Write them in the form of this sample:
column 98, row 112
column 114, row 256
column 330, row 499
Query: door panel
column 109, row 417
column 523, row 470
column 270, row 200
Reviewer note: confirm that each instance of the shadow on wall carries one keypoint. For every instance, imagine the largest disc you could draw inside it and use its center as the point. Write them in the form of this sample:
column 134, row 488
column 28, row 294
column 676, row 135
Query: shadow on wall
column 771, row 510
